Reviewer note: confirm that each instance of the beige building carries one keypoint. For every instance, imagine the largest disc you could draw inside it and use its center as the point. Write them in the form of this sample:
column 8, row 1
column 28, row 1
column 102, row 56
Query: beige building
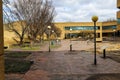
column 75, row 29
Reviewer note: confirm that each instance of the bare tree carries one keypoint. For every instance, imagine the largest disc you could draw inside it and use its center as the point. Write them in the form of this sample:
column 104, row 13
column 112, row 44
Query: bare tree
column 48, row 13
column 31, row 9
column 11, row 15
column 38, row 15
column 34, row 17
column 42, row 18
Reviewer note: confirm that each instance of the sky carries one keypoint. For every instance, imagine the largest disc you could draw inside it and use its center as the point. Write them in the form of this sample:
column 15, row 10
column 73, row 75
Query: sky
column 83, row 10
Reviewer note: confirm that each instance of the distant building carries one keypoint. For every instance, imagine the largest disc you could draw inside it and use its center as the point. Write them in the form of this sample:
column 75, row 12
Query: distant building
column 118, row 15
column 76, row 29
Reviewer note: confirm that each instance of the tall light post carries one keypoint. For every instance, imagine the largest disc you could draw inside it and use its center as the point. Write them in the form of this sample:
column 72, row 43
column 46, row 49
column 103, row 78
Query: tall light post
column 94, row 19
column 114, row 30
column 70, row 40
column 2, row 76
column 49, row 28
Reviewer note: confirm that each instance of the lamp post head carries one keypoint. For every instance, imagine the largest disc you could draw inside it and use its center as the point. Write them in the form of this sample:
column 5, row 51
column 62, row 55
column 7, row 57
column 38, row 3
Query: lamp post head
column 53, row 31
column 94, row 18
column 70, row 29
column 114, row 30
column 49, row 27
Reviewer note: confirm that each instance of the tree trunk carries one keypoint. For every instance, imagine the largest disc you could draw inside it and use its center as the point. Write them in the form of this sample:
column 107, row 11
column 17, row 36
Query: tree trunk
column 32, row 41
column 21, row 41
column 40, row 39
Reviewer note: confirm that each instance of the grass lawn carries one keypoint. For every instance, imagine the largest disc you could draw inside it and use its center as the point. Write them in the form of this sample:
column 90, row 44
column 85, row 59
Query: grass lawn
column 15, row 62
column 17, row 66
column 30, row 48
column 26, row 48
column 35, row 46
column 17, row 54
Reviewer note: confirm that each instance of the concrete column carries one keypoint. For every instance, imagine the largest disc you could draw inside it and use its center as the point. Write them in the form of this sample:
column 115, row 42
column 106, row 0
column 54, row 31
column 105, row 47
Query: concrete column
column 101, row 32
column 1, row 45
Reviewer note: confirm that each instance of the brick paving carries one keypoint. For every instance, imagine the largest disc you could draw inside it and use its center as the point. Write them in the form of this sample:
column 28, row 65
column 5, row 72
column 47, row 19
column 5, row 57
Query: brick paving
column 104, row 77
column 76, row 45
column 65, row 65
column 61, row 64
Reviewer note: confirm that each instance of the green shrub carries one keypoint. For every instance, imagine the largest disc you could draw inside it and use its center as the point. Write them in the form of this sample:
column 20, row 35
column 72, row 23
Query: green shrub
column 17, row 66
column 17, row 54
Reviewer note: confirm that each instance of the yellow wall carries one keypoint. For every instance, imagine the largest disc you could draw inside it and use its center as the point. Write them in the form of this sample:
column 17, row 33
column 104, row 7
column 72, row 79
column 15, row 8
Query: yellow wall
column 9, row 35
column 118, row 14
column 118, row 3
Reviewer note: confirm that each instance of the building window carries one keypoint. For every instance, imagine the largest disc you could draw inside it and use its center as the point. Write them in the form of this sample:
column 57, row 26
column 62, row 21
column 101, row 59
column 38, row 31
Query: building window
column 81, row 27
column 118, row 20
column 98, row 28
column 109, row 27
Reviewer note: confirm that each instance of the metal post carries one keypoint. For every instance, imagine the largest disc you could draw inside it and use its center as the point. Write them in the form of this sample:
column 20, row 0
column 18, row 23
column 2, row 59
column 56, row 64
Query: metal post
column 70, row 41
column 114, row 35
column 2, row 76
column 49, row 27
column 104, row 53
column 95, row 60
column 70, row 47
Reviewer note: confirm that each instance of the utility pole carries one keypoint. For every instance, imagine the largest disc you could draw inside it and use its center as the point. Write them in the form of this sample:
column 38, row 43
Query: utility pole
column 2, row 76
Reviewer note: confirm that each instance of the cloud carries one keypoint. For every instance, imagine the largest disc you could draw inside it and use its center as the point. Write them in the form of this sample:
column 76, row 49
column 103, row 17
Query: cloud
column 82, row 10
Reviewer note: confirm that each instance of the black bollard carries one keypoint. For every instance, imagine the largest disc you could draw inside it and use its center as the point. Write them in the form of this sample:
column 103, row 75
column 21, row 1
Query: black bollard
column 104, row 53
column 70, row 47
column 49, row 49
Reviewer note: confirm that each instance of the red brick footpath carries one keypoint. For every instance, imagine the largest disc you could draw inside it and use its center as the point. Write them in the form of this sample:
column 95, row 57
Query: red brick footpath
column 65, row 65
column 61, row 64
